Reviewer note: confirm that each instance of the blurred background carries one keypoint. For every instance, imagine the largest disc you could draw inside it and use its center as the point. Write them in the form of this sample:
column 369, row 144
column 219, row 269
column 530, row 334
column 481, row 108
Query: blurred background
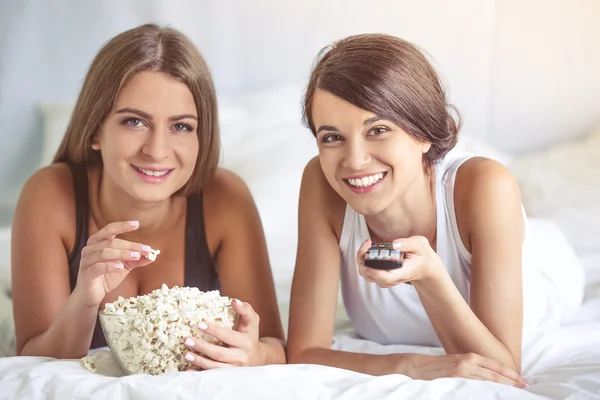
column 525, row 76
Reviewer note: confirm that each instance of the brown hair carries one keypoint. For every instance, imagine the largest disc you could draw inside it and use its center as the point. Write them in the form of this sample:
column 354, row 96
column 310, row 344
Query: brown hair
column 145, row 48
column 392, row 79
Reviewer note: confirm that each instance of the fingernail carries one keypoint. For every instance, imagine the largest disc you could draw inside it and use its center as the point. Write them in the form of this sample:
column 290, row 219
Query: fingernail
column 119, row 266
column 397, row 245
column 134, row 254
column 239, row 303
column 189, row 357
column 146, row 249
column 134, row 223
column 202, row 325
column 189, row 342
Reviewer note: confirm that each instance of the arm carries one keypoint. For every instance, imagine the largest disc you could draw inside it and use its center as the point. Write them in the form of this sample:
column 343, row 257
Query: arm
column 315, row 284
column 243, row 262
column 488, row 207
column 48, row 320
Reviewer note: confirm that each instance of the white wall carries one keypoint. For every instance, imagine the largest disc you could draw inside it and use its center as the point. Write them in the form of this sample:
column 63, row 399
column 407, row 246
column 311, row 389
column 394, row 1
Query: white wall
column 524, row 74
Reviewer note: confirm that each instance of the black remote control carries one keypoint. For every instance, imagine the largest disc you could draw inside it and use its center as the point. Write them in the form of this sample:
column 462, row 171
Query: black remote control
column 383, row 256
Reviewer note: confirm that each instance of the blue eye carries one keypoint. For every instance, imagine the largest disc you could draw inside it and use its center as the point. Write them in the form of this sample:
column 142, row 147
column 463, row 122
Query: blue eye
column 133, row 122
column 183, row 127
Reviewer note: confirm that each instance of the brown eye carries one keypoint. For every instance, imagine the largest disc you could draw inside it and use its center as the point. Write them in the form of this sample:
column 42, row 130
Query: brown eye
column 378, row 130
column 331, row 138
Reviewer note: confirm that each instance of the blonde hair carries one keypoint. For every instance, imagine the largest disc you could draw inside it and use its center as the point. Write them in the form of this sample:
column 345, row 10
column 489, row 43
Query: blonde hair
column 145, row 48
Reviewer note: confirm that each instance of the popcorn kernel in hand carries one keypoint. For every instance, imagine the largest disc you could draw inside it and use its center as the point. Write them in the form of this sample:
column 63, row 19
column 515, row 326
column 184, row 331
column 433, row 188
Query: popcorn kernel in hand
column 152, row 255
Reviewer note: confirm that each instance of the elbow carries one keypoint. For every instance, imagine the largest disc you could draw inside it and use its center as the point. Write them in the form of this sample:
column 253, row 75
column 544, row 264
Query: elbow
column 295, row 355
column 303, row 355
column 35, row 347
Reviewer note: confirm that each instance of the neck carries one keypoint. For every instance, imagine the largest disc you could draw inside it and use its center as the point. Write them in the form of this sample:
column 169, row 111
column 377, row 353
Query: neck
column 115, row 205
column 412, row 214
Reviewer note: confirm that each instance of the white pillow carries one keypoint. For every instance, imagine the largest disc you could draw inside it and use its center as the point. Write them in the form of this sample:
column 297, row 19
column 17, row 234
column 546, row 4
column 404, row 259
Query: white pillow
column 562, row 183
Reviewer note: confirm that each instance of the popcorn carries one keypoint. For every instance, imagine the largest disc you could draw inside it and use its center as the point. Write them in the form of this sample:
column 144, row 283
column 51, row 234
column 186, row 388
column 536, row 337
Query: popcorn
column 146, row 333
column 88, row 363
column 152, row 255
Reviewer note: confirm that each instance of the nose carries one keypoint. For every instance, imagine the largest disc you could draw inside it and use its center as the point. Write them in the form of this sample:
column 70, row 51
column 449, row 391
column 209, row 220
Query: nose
column 157, row 145
column 356, row 155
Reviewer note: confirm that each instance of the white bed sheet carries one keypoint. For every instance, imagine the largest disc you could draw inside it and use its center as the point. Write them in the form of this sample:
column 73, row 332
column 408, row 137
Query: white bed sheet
column 562, row 364
column 574, row 375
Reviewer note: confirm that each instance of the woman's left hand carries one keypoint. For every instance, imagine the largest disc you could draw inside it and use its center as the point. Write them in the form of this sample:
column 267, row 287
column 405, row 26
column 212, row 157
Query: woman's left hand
column 244, row 347
column 419, row 263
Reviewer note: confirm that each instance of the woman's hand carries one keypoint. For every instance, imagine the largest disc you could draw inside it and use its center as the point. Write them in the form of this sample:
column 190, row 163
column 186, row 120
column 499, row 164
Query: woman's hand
column 106, row 261
column 470, row 366
column 244, row 347
column 420, row 262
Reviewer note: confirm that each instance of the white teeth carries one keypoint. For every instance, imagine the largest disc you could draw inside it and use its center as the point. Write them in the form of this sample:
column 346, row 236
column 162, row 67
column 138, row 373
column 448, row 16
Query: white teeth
column 152, row 173
column 366, row 181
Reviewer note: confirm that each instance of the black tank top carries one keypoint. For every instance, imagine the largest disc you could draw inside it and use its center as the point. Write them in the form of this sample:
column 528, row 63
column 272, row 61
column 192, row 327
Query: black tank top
column 200, row 268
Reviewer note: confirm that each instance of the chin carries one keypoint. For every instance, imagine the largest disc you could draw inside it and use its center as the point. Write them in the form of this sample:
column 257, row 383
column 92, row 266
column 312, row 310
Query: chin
column 367, row 207
column 151, row 195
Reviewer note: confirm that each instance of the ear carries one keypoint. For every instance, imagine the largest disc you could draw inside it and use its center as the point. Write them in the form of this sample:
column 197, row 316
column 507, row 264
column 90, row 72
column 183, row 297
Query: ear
column 95, row 143
column 426, row 147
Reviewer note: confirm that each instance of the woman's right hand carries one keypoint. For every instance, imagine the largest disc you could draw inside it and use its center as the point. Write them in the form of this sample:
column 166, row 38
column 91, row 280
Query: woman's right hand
column 106, row 261
column 470, row 365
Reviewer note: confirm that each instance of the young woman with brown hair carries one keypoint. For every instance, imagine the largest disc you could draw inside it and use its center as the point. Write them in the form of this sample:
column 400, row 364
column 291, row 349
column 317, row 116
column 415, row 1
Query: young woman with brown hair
column 385, row 173
column 136, row 170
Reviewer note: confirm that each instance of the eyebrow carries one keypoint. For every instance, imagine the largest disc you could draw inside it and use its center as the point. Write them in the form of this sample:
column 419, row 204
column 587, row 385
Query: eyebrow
column 148, row 116
column 334, row 129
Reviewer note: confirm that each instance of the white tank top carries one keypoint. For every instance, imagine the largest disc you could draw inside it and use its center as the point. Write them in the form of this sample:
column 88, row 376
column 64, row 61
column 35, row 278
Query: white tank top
column 396, row 315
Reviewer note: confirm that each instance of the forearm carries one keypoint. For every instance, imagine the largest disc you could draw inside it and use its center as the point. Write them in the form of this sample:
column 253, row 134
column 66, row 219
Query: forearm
column 70, row 334
column 372, row 364
column 456, row 325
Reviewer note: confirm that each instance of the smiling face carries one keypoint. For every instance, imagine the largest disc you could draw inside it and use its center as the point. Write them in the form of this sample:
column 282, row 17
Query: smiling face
column 370, row 162
column 149, row 141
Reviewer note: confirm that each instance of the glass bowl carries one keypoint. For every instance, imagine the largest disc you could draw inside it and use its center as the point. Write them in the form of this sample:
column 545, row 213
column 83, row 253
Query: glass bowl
column 153, row 343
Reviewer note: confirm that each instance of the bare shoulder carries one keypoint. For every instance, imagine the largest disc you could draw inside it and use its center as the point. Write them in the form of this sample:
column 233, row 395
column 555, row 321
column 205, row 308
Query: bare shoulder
column 50, row 191
column 484, row 190
column 313, row 178
column 480, row 176
column 228, row 203
column 226, row 190
column 317, row 194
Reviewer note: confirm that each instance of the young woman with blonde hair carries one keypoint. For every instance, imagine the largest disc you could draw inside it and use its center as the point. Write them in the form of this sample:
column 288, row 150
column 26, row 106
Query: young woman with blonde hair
column 138, row 170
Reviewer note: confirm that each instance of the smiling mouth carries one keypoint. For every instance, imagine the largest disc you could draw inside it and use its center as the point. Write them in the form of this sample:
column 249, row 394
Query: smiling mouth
column 152, row 173
column 365, row 181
